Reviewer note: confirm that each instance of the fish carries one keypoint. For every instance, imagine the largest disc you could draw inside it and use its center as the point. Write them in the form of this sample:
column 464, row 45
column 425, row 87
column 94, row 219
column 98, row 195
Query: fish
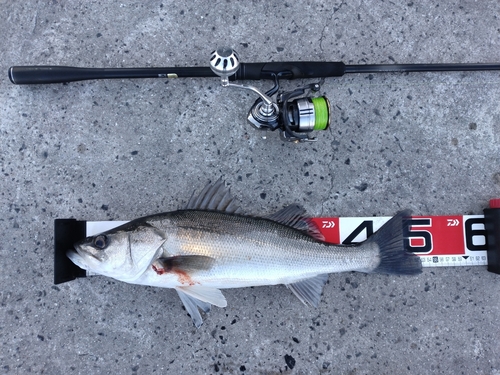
column 211, row 245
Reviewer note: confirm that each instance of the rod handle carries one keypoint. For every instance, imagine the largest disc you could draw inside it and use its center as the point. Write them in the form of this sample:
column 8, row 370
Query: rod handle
column 22, row 75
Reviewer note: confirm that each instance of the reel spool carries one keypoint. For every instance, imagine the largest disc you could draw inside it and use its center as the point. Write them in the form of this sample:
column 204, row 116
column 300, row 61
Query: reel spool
column 303, row 115
column 295, row 114
column 308, row 114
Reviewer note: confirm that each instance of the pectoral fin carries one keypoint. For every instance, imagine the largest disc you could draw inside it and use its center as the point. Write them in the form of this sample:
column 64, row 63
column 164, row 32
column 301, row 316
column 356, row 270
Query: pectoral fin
column 182, row 263
column 191, row 304
column 309, row 290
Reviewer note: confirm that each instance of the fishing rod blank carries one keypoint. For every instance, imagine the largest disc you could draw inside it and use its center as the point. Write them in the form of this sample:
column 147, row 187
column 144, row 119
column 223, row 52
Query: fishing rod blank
column 408, row 68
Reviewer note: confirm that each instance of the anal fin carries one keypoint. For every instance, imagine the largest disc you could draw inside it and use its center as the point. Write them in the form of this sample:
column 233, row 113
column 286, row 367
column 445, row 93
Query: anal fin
column 309, row 290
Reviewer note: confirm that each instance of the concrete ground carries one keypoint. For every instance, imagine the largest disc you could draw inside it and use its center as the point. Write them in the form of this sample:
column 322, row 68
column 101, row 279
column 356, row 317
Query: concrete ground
column 120, row 149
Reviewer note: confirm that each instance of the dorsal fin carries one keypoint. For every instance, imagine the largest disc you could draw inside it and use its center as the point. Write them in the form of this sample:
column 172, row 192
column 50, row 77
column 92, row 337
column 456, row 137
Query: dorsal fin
column 215, row 197
column 295, row 216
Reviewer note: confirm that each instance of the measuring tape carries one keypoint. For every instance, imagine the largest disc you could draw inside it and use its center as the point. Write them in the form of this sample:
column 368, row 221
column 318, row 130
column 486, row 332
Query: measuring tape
column 439, row 241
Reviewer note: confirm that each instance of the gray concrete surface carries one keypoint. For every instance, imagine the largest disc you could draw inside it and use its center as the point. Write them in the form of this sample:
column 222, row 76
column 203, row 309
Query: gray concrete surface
column 110, row 150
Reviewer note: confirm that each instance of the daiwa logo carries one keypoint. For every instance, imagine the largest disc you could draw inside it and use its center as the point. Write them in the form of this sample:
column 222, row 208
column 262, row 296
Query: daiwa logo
column 328, row 224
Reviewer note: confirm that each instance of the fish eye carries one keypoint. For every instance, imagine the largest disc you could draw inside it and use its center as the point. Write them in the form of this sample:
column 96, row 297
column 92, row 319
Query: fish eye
column 101, row 242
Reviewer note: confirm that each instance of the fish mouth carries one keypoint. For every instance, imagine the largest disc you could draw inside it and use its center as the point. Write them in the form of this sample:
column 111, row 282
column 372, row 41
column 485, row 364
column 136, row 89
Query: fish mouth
column 83, row 260
column 76, row 258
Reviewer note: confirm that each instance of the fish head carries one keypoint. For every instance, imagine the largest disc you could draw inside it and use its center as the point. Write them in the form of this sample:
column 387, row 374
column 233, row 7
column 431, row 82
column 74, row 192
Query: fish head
column 123, row 253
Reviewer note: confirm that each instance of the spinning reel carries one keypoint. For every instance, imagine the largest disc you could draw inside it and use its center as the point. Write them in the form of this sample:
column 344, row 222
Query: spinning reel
column 295, row 114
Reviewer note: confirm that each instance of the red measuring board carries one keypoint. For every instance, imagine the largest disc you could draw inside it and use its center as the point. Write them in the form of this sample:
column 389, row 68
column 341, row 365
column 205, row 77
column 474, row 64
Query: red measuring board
column 438, row 240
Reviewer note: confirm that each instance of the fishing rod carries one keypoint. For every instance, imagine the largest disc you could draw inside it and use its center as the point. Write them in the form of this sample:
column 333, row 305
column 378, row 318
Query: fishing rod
column 296, row 114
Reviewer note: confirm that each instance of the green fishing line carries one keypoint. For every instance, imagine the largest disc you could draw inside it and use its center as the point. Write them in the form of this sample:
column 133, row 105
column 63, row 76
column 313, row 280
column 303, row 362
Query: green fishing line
column 321, row 113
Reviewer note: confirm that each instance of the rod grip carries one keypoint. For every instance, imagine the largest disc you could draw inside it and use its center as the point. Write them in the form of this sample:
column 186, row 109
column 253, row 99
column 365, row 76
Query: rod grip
column 22, row 75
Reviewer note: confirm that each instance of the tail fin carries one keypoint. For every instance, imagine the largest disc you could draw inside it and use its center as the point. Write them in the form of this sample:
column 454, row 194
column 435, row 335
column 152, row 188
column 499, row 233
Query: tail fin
column 393, row 257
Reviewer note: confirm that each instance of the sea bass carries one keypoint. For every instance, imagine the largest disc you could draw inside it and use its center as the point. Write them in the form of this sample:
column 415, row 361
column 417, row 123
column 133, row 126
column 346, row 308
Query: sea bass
column 210, row 245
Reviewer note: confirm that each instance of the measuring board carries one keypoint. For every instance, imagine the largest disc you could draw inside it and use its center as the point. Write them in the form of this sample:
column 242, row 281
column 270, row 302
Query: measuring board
column 439, row 241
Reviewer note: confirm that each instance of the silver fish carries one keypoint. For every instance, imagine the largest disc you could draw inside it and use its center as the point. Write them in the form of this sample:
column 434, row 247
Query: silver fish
column 210, row 245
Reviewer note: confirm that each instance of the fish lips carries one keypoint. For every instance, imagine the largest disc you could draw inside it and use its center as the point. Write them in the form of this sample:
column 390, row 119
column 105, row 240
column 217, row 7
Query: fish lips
column 82, row 258
column 76, row 258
